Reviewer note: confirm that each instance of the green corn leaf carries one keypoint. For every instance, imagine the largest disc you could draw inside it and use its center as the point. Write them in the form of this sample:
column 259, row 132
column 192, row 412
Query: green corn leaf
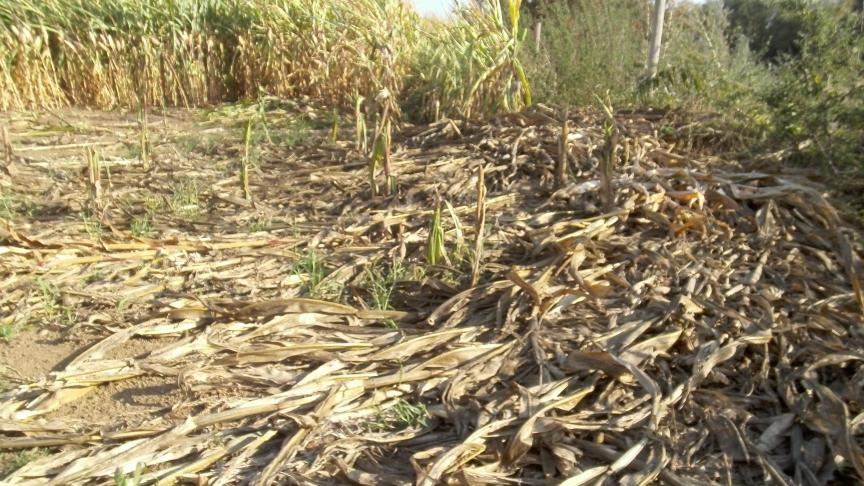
column 435, row 251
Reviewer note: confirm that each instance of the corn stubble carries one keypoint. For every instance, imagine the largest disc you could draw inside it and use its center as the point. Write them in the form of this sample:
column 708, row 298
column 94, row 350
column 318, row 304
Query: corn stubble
column 709, row 316
column 654, row 319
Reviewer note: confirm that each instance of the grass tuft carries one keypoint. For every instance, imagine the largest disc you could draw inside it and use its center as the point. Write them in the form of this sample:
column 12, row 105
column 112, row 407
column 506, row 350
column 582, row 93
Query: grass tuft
column 8, row 331
column 312, row 268
column 7, row 207
column 141, row 226
column 185, row 199
column 380, row 284
column 121, row 479
column 410, row 414
column 92, row 226
column 260, row 223
column 11, row 462
column 401, row 415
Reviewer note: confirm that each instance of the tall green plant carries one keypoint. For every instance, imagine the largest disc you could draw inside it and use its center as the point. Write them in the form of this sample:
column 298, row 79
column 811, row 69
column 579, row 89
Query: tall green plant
column 471, row 65
column 587, row 47
column 435, row 249
column 818, row 101
column 245, row 161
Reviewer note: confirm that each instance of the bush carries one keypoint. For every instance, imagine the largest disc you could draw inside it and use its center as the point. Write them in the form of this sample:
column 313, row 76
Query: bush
column 818, row 101
column 591, row 47
column 587, row 47
column 767, row 26
column 703, row 71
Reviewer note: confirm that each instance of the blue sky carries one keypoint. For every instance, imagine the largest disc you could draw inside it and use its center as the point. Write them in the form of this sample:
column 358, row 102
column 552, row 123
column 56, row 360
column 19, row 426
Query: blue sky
column 438, row 8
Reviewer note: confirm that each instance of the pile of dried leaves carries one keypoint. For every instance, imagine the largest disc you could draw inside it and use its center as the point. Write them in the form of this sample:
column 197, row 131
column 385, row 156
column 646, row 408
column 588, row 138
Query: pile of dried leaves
column 706, row 329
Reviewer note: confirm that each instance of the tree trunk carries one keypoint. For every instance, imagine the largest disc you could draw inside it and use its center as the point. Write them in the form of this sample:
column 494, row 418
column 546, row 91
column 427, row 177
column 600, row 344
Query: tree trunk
column 656, row 36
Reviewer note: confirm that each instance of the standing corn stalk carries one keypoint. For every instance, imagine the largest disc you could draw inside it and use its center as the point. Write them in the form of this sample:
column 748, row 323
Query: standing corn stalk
column 515, row 82
column 378, row 150
column 143, row 137
column 435, row 250
column 140, row 86
column 359, row 125
column 607, row 156
column 8, row 154
column 94, row 180
column 387, row 109
column 479, row 225
column 7, row 146
column 561, row 167
column 538, row 35
column 334, row 130
column 244, row 162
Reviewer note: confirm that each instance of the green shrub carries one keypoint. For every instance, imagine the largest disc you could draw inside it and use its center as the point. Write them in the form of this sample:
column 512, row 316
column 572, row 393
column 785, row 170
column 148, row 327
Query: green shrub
column 769, row 27
column 703, row 71
column 819, row 99
column 593, row 47
column 586, row 47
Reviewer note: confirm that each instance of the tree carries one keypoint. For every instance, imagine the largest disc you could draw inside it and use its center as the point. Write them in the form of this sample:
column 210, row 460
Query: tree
column 656, row 36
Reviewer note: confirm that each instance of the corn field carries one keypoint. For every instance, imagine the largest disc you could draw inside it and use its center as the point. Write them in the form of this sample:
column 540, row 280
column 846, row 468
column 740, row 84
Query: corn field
column 113, row 53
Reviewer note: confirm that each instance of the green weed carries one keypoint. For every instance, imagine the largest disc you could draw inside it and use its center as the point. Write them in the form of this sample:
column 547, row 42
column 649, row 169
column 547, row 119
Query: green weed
column 96, row 276
column 92, row 226
column 50, row 296
column 297, row 132
column 260, row 223
column 7, row 207
column 140, row 226
column 12, row 205
column 133, row 151
column 11, row 462
column 311, row 267
column 68, row 315
column 380, row 285
column 122, row 304
column 185, row 199
column 121, row 479
column 152, row 204
column 195, row 143
column 401, row 415
column 53, row 305
column 8, row 331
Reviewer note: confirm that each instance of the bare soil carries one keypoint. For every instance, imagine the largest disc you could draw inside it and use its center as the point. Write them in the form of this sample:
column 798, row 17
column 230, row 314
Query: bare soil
column 31, row 354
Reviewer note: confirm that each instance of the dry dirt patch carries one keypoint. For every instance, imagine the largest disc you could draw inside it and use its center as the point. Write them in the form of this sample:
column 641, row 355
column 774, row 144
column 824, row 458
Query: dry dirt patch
column 32, row 353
